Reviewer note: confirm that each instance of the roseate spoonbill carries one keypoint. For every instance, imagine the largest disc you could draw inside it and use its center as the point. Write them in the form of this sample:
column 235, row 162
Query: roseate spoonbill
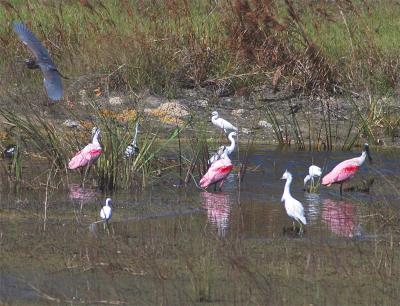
column 10, row 151
column 346, row 169
column 313, row 171
column 294, row 208
column 222, row 123
column 217, row 173
column 89, row 154
column 132, row 149
column 106, row 211
column 224, row 149
column 52, row 77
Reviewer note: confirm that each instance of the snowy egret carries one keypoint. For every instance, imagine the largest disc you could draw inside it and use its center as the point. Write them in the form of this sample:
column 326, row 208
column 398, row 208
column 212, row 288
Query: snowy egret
column 346, row 169
column 106, row 210
column 222, row 123
column 52, row 77
column 313, row 171
column 294, row 208
column 132, row 149
column 89, row 154
column 228, row 150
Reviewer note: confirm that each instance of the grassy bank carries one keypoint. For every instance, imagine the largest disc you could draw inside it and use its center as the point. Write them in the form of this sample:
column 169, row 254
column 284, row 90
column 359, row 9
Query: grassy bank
column 166, row 45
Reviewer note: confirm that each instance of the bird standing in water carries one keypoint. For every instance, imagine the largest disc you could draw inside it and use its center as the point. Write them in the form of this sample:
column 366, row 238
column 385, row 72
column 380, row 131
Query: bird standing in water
column 106, row 213
column 346, row 169
column 52, row 77
column 228, row 150
column 294, row 208
column 132, row 149
column 89, row 154
column 217, row 173
column 313, row 171
column 222, row 123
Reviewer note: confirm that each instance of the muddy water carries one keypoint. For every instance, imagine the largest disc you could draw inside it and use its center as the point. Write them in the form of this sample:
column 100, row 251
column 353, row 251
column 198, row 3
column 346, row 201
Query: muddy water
column 173, row 246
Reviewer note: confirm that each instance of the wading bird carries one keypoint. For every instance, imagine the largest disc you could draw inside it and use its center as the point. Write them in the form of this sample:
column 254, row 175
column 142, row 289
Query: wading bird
column 89, row 154
column 217, row 173
column 10, row 151
column 106, row 211
column 313, row 171
column 222, row 123
column 228, row 150
column 52, row 77
column 346, row 169
column 294, row 208
column 132, row 149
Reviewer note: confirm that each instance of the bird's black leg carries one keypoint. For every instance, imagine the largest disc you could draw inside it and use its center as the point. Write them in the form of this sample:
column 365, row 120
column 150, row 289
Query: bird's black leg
column 215, row 186
column 84, row 176
column 341, row 189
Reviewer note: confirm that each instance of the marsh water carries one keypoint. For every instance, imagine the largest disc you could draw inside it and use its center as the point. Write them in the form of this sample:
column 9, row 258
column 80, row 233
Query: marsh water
column 181, row 246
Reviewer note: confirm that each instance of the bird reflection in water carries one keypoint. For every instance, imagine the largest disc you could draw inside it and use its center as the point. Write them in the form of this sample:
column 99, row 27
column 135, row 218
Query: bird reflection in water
column 314, row 205
column 218, row 206
column 341, row 218
column 82, row 195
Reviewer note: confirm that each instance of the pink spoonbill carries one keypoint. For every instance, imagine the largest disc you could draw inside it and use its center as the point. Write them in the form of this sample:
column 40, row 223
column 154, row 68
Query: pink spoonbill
column 217, row 173
column 89, row 154
column 346, row 169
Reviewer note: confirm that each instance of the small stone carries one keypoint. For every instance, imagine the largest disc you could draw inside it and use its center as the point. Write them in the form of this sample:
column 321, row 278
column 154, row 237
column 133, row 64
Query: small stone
column 264, row 124
column 174, row 109
column 246, row 131
column 116, row 101
column 238, row 112
column 72, row 124
column 202, row 103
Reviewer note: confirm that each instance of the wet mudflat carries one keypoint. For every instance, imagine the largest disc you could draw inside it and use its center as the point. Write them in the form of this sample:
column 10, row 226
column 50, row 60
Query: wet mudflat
column 180, row 246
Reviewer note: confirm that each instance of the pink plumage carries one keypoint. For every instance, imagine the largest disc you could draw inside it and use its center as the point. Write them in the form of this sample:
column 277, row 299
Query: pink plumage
column 88, row 154
column 218, row 172
column 342, row 172
column 346, row 169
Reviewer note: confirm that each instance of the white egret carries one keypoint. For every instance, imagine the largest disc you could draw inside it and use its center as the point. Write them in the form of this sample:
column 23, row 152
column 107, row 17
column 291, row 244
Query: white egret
column 313, row 171
column 222, row 123
column 294, row 208
column 106, row 211
column 224, row 150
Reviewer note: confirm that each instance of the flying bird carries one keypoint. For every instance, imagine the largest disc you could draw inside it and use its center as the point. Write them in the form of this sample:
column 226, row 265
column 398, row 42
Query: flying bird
column 106, row 210
column 222, row 123
column 346, row 169
column 42, row 60
column 217, row 173
column 313, row 171
column 294, row 208
column 132, row 149
column 89, row 154
column 228, row 150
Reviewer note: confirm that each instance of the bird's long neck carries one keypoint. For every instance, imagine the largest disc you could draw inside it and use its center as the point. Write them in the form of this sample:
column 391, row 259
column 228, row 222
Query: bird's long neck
column 134, row 137
column 361, row 159
column 231, row 147
column 286, row 191
column 214, row 117
column 95, row 139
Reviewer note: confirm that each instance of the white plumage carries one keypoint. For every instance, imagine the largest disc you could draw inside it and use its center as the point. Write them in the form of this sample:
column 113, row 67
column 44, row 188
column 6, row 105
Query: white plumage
column 222, row 123
column 294, row 208
column 313, row 171
column 224, row 150
column 106, row 210
column 132, row 149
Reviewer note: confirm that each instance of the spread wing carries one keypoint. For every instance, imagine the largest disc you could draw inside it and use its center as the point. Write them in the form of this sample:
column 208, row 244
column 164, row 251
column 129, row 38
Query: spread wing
column 52, row 83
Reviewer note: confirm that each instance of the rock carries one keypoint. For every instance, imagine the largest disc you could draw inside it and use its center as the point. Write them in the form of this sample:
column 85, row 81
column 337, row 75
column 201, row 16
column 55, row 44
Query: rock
column 246, row 131
column 152, row 101
column 201, row 103
column 264, row 124
column 71, row 123
column 116, row 101
column 238, row 112
column 174, row 109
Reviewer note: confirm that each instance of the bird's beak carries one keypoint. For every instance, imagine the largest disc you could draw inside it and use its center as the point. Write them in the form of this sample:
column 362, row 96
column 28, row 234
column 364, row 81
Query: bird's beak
column 368, row 154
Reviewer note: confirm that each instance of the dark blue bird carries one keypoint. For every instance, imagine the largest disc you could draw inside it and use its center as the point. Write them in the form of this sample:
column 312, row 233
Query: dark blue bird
column 52, row 77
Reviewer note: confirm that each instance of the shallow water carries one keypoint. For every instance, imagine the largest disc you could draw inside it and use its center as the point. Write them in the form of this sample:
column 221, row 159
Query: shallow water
column 168, row 245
